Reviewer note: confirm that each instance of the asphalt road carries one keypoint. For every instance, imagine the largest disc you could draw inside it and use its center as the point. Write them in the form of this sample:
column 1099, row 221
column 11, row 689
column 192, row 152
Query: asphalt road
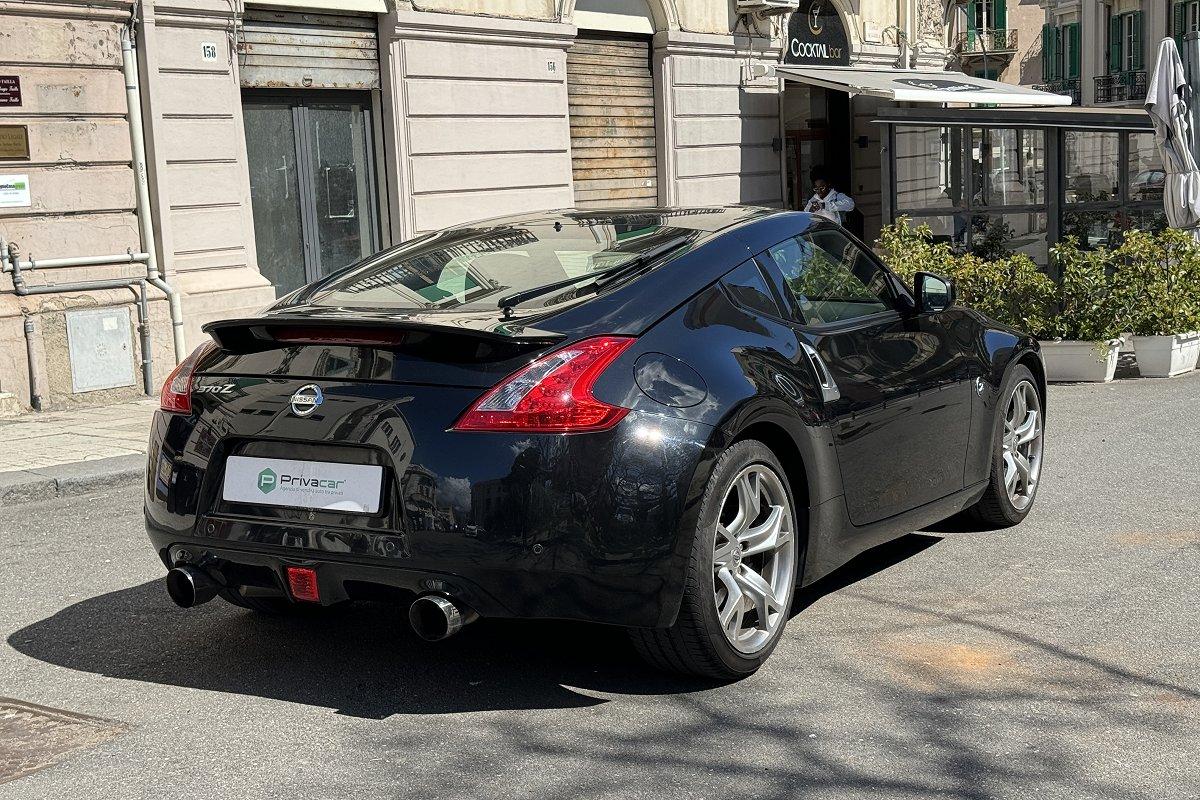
column 1058, row 659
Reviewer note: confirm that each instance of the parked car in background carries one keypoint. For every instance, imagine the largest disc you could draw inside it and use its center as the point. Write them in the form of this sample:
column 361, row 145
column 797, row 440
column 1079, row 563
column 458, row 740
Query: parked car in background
column 662, row 419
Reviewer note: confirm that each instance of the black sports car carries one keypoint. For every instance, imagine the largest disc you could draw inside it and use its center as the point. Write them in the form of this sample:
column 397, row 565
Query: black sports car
column 662, row 419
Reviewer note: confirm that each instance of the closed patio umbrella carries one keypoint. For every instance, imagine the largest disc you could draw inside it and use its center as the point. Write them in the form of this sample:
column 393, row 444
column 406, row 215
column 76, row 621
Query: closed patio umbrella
column 1168, row 102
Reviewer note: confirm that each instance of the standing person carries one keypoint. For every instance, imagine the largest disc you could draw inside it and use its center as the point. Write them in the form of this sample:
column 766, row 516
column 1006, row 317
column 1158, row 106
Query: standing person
column 827, row 201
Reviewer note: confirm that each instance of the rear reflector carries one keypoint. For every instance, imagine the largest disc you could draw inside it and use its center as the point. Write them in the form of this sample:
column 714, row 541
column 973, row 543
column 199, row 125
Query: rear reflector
column 553, row 394
column 176, row 395
column 302, row 583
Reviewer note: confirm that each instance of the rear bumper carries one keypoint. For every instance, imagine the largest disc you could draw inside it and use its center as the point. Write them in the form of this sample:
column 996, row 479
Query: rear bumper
column 513, row 593
column 580, row 527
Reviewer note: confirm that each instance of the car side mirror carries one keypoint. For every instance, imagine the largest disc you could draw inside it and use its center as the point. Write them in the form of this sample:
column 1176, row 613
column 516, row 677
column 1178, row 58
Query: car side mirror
column 933, row 292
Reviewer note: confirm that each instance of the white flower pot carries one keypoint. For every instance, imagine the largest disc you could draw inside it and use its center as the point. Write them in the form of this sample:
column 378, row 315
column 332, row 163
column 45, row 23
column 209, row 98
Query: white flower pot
column 1166, row 356
column 1070, row 361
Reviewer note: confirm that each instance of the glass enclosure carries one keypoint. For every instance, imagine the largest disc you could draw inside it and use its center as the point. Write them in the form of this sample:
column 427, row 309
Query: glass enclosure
column 996, row 189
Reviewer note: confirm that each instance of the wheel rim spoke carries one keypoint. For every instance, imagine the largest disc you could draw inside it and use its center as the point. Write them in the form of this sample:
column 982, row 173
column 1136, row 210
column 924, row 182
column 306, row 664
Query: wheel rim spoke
column 759, row 592
column 731, row 613
column 765, row 536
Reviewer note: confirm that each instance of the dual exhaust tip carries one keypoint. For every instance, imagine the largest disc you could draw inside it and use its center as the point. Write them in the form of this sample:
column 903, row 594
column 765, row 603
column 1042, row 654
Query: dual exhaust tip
column 432, row 616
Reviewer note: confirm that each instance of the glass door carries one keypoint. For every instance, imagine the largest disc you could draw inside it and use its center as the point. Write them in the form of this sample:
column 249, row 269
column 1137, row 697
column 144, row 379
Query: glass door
column 311, row 183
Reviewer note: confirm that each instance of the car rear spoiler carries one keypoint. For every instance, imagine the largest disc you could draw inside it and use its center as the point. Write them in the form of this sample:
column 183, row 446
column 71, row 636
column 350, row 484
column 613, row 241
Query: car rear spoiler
column 368, row 329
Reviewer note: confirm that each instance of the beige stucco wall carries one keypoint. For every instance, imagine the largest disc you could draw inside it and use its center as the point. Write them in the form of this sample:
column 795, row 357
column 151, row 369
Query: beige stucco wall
column 82, row 182
column 715, row 132
column 478, row 123
column 80, row 176
column 1026, row 66
column 197, row 151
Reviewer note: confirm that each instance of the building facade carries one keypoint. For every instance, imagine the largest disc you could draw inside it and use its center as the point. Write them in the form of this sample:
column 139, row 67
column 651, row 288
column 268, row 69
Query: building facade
column 283, row 140
column 1101, row 52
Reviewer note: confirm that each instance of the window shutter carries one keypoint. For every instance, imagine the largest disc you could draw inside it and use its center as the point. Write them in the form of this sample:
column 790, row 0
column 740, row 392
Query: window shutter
column 1046, row 53
column 1178, row 23
column 1073, row 51
column 1114, row 44
column 999, row 15
column 971, row 30
column 1137, row 40
column 1058, row 52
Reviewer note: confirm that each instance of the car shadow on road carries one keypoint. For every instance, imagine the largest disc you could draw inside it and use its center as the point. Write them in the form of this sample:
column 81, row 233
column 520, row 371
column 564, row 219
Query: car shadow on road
column 363, row 660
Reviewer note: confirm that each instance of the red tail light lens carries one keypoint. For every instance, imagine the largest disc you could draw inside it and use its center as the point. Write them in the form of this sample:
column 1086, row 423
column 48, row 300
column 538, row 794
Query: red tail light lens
column 176, row 394
column 553, row 394
column 302, row 582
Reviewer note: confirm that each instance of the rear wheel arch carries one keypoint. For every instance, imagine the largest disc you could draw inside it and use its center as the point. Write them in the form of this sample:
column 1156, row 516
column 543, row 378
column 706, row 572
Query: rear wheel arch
column 784, row 446
column 1031, row 361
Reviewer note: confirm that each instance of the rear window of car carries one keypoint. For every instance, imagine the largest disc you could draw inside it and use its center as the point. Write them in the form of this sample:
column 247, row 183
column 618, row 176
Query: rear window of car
column 474, row 266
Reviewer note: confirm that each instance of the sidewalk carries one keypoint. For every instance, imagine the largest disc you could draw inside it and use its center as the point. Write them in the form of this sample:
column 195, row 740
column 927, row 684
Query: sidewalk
column 69, row 452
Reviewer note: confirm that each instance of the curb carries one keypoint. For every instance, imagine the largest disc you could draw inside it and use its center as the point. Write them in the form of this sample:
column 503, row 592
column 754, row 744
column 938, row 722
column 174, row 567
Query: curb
column 66, row 480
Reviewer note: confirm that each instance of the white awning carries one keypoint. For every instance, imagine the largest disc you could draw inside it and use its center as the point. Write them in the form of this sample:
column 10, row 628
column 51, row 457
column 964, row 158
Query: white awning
column 921, row 87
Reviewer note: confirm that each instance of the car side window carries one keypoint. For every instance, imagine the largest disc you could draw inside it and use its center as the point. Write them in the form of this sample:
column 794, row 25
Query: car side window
column 747, row 286
column 830, row 278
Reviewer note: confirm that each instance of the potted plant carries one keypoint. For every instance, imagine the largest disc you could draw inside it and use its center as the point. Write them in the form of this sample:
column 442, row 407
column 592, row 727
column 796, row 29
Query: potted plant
column 1157, row 287
column 1084, row 341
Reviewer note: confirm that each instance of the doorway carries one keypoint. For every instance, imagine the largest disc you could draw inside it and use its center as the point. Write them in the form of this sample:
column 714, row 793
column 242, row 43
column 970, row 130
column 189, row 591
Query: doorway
column 312, row 186
column 817, row 135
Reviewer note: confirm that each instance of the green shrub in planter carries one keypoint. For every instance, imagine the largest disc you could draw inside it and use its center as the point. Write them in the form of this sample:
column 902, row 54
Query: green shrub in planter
column 908, row 249
column 1085, row 327
column 1156, row 282
column 1011, row 290
column 1086, row 308
column 1156, row 287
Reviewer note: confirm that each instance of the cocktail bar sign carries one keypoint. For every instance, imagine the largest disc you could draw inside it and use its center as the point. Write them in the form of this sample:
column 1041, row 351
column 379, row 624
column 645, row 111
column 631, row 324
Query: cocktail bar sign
column 816, row 36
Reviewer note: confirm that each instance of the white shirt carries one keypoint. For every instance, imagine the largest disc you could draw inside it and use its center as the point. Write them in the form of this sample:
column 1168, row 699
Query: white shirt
column 831, row 206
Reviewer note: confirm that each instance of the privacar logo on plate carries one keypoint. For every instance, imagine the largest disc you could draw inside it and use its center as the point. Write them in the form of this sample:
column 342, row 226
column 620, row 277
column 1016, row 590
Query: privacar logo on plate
column 267, row 480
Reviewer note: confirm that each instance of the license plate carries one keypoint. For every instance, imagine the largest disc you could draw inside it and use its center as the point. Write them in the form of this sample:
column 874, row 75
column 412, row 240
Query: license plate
column 320, row 485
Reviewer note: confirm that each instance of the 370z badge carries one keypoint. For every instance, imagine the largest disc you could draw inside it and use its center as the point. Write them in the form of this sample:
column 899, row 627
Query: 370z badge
column 216, row 388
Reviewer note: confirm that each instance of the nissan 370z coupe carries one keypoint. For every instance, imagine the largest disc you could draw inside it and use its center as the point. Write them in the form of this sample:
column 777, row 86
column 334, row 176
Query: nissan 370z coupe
column 662, row 419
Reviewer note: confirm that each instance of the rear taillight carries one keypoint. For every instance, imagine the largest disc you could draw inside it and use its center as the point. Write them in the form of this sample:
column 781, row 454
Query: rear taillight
column 176, row 394
column 553, row 394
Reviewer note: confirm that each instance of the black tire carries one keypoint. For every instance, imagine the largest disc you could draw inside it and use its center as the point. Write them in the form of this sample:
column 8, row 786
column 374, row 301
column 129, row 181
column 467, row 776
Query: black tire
column 994, row 508
column 696, row 644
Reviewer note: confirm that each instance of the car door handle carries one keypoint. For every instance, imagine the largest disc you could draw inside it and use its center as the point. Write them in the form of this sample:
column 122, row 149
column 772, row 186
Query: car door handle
column 829, row 388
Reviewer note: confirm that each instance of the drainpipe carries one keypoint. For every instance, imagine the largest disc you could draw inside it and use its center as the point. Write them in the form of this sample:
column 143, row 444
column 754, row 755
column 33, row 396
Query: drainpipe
column 35, row 371
column 133, row 100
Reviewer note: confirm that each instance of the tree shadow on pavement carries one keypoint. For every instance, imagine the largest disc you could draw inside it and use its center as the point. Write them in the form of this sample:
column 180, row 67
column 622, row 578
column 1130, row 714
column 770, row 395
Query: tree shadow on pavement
column 362, row 659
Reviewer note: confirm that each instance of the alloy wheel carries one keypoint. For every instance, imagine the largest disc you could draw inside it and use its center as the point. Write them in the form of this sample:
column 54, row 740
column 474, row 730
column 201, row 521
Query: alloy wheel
column 1022, row 445
column 754, row 558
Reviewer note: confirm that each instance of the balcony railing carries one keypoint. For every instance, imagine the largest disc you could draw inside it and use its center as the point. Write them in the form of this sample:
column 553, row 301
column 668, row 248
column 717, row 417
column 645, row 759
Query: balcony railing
column 1062, row 86
column 999, row 41
column 1121, row 86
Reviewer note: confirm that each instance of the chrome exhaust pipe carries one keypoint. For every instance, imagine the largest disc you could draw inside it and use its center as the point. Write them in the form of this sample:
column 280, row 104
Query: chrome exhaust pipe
column 189, row 586
column 434, row 617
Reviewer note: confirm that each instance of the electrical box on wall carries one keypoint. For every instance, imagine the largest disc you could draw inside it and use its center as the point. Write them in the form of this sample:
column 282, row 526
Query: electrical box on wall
column 100, row 341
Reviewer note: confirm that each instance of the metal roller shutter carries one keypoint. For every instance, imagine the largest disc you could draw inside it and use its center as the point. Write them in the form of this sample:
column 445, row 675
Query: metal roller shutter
column 294, row 50
column 610, row 88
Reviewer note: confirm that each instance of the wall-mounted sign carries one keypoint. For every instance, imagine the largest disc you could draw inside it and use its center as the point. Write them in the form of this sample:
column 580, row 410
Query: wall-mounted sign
column 10, row 90
column 208, row 51
column 14, row 143
column 816, row 36
column 14, row 191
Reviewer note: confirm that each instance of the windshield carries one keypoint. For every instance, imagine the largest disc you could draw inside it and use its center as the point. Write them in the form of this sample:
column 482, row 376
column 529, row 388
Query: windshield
column 472, row 267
